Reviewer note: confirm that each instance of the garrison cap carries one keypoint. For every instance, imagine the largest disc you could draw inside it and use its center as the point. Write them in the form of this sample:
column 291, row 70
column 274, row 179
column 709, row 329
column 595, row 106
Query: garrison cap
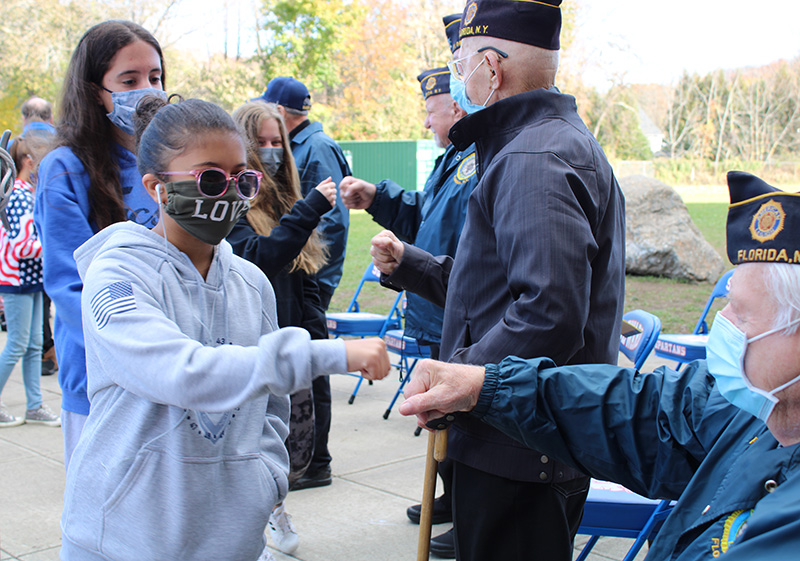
column 763, row 222
column 288, row 92
column 533, row 22
column 434, row 82
column 452, row 24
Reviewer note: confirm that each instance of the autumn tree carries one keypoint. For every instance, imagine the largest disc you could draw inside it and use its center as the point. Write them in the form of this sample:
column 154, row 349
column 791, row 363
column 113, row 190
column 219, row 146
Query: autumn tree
column 749, row 115
column 36, row 40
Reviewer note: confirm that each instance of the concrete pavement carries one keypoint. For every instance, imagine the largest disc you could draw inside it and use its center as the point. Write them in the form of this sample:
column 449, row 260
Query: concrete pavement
column 377, row 465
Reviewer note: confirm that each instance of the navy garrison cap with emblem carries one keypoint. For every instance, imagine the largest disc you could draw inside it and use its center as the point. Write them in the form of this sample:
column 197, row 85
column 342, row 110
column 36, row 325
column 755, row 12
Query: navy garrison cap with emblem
column 288, row 92
column 532, row 22
column 452, row 24
column 763, row 222
column 434, row 82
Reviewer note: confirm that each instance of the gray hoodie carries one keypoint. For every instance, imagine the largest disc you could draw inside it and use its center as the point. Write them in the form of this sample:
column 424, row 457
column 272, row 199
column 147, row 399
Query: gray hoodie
column 182, row 455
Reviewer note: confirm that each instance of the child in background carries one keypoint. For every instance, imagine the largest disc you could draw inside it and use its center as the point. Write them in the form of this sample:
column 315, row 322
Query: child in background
column 278, row 235
column 90, row 181
column 183, row 456
column 21, row 287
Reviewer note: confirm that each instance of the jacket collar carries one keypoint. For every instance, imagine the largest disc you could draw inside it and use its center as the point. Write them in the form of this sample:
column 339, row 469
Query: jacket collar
column 510, row 114
column 308, row 128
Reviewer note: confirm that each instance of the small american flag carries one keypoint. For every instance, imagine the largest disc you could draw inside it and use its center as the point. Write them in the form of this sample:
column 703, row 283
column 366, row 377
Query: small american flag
column 116, row 298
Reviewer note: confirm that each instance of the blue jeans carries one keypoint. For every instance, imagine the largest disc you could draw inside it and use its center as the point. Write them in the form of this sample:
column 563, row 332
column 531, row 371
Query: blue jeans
column 24, row 321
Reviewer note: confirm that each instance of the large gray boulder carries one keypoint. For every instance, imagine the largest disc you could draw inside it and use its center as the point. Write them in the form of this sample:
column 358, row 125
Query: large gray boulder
column 661, row 239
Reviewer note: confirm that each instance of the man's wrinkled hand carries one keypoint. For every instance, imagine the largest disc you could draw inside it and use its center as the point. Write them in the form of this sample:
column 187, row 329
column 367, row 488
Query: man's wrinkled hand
column 438, row 388
column 387, row 252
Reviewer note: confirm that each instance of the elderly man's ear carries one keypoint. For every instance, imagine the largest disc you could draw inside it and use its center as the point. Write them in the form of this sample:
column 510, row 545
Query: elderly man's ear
column 496, row 71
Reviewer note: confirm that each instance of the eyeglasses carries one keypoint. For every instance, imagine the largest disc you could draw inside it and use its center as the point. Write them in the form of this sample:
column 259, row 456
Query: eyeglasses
column 214, row 182
column 457, row 66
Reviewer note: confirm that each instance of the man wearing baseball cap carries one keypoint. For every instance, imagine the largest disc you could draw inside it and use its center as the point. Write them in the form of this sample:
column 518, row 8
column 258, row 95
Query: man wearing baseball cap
column 539, row 270
column 317, row 157
column 722, row 435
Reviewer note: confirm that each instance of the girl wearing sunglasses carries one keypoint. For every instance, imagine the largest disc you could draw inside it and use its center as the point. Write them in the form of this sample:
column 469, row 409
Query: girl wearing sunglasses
column 183, row 456
column 90, row 181
column 279, row 236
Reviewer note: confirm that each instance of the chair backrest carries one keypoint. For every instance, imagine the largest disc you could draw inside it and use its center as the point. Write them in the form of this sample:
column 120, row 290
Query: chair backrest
column 721, row 290
column 638, row 347
column 371, row 274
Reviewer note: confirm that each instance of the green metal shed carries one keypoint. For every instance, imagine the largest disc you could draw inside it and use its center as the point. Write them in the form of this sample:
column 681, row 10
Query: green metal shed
column 407, row 162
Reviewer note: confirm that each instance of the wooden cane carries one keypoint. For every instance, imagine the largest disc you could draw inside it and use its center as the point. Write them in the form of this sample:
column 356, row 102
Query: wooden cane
column 437, row 452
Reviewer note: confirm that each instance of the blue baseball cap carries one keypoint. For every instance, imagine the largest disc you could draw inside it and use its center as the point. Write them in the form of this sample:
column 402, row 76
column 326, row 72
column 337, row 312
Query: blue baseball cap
column 288, row 92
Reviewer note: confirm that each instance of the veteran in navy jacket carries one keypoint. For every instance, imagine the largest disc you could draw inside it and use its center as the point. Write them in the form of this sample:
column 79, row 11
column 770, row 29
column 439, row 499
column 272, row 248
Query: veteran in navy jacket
column 539, row 271
column 721, row 437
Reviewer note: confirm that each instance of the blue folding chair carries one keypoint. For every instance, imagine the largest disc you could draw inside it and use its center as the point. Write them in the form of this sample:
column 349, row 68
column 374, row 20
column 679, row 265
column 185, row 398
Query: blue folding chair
column 355, row 323
column 410, row 352
column 611, row 509
column 637, row 347
column 686, row 348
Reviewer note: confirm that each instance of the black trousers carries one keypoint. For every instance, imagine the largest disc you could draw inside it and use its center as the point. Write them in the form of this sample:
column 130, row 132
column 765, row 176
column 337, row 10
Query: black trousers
column 321, row 390
column 506, row 520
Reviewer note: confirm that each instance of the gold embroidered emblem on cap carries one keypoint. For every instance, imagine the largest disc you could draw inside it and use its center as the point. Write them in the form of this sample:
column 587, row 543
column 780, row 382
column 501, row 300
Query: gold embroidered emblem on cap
column 768, row 221
column 471, row 10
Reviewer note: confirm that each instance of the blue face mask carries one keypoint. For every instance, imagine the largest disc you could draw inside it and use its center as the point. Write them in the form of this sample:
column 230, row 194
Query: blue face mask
column 458, row 90
column 725, row 351
column 125, row 106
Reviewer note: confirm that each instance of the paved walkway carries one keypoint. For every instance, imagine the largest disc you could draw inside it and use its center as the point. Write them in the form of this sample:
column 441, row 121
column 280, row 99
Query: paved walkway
column 378, row 467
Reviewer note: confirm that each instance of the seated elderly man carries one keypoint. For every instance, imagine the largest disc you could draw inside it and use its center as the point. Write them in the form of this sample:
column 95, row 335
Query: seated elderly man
column 722, row 436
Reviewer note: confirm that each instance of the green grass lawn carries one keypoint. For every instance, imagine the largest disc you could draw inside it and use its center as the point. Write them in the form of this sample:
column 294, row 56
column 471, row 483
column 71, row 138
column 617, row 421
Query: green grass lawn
column 677, row 303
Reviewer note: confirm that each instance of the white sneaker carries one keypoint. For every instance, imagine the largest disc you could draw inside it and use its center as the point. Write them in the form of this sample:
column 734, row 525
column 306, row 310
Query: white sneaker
column 43, row 416
column 7, row 419
column 282, row 531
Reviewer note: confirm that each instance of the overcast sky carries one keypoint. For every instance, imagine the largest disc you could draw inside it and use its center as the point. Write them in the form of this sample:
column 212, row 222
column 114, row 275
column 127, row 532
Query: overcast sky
column 646, row 41
column 656, row 41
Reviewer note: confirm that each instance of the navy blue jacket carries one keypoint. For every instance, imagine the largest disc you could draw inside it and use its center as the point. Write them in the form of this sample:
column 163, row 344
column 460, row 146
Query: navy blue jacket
column 540, row 266
column 664, row 435
column 432, row 220
column 296, row 293
column 317, row 156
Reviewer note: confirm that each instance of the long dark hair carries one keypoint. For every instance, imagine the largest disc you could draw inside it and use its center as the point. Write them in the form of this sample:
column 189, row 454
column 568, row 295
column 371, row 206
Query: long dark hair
column 84, row 127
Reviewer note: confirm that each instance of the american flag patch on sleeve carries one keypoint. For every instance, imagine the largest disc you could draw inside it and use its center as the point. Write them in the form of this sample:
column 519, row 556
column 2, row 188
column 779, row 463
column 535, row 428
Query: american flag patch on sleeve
column 116, row 298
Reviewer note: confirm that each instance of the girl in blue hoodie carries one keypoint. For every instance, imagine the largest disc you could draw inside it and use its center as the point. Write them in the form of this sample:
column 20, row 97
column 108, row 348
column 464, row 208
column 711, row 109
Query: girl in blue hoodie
column 178, row 459
column 90, row 181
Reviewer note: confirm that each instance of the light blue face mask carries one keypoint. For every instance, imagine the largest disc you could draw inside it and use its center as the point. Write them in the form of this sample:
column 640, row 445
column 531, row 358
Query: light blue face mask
column 271, row 158
column 458, row 90
column 125, row 106
column 725, row 351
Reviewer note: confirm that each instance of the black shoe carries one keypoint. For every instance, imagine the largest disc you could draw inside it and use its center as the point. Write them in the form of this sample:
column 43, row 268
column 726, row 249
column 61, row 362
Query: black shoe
column 48, row 368
column 443, row 546
column 441, row 512
column 320, row 478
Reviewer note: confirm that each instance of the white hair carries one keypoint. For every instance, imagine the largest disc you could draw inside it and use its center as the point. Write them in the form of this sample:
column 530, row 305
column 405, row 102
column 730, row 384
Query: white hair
column 782, row 281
